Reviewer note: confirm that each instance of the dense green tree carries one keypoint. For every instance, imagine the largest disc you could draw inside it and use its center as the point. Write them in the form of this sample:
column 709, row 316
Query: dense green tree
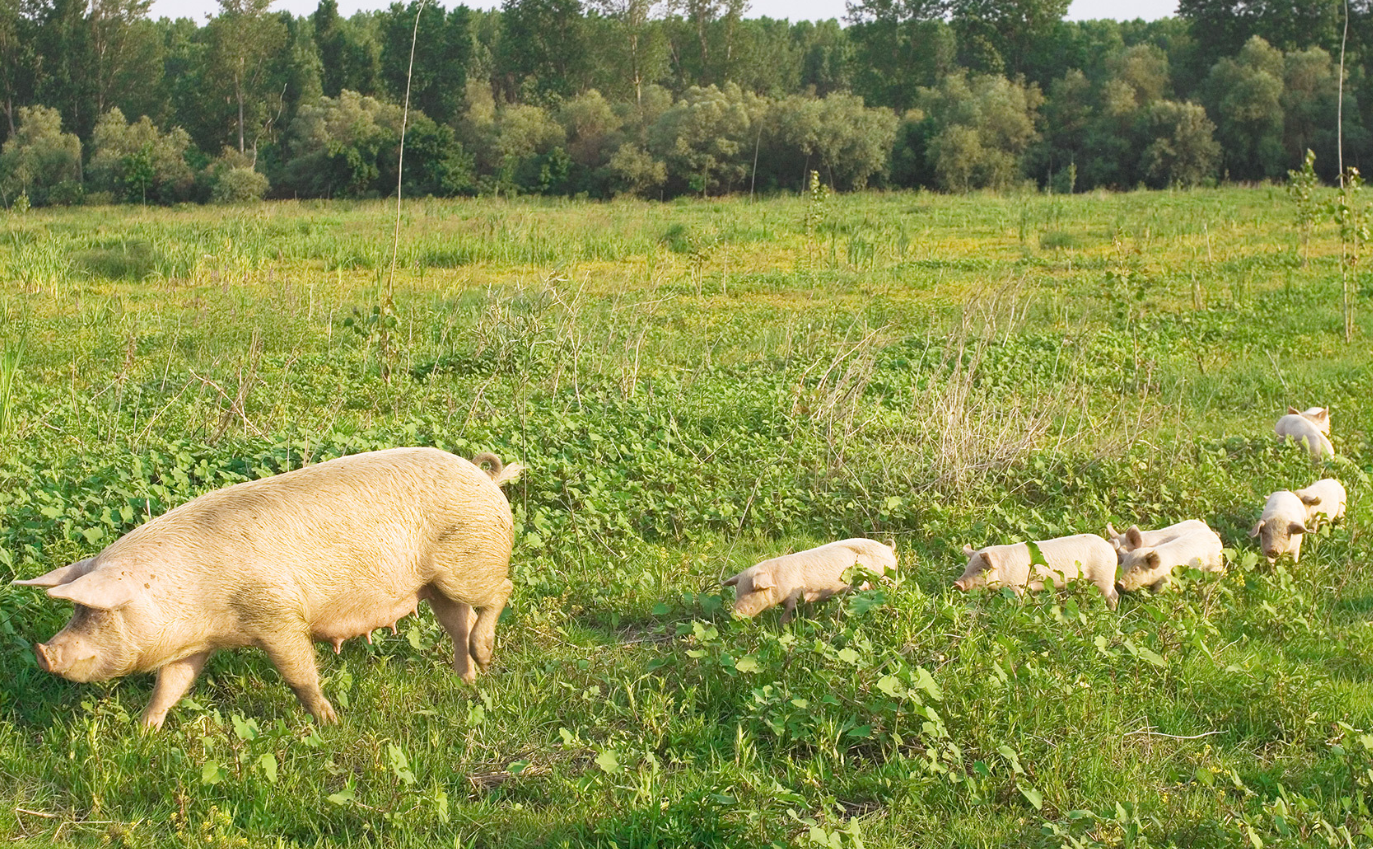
column 1183, row 151
column 894, row 58
column 827, row 57
column 1245, row 93
column 335, row 145
column 977, row 130
column 40, row 160
column 707, row 138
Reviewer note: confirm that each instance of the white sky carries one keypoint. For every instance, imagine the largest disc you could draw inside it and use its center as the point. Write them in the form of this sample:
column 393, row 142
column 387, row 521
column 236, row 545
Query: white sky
column 792, row 9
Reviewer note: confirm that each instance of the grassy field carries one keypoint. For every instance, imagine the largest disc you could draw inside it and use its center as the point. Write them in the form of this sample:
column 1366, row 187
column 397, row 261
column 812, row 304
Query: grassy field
column 695, row 386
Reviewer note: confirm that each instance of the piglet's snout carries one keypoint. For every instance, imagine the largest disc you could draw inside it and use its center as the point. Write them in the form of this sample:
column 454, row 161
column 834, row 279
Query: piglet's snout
column 960, row 585
column 41, row 651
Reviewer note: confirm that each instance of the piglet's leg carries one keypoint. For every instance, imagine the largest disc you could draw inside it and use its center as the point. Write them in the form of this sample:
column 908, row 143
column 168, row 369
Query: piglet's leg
column 173, row 680
column 456, row 619
column 789, row 608
column 294, row 657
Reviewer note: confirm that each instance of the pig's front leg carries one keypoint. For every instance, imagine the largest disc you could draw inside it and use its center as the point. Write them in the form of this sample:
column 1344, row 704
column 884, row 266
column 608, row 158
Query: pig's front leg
column 789, row 605
column 294, row 657
column 456, row 619
column 173, row 680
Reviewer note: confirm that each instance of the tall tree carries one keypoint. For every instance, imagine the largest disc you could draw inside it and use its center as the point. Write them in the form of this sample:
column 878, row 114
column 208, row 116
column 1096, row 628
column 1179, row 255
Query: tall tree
column 543, row 50
column 125, row 53
column 332, row 45
column 443, row 46
column 64, row 78
column 1223, row 26
column 637, row 54
column 243, row 37
column 16, row 60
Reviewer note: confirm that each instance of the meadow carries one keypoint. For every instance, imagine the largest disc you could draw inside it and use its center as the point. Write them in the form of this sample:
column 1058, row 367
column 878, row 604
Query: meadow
column 695, row 386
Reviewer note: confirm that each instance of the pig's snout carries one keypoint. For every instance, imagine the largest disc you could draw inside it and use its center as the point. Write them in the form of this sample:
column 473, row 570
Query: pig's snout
column 75, row 663
column 960, row 585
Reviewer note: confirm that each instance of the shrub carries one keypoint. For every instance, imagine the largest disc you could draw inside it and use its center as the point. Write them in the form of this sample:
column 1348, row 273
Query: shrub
column 137, row 162
column 239, row 185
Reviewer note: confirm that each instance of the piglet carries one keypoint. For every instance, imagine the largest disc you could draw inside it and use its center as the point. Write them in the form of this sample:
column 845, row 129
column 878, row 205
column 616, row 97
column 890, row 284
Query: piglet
column 1086, row 556
column 1135, row 538
column 1311, row 426
column 327, row 552
column 1325, row 501
column 1281, row 526
column 813, row 575
column 1152, row 565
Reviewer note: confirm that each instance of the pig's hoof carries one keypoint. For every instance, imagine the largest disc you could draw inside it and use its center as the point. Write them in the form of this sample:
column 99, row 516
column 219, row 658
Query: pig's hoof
column 324, row 712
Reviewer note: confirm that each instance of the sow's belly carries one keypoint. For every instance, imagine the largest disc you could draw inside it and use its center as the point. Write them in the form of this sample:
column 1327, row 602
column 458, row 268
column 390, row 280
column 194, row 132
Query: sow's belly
column 358, row 616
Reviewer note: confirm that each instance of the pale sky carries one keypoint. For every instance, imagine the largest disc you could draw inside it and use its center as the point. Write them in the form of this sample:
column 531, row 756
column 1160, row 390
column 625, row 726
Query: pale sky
column 791, row 9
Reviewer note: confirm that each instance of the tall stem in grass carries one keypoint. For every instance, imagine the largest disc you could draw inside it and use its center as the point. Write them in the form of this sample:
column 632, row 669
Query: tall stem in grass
column 1339, row 107
column 388, row 297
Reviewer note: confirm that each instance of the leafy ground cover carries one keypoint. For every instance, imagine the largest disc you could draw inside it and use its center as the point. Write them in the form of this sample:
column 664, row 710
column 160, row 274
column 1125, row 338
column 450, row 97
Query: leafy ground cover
column 695, row 386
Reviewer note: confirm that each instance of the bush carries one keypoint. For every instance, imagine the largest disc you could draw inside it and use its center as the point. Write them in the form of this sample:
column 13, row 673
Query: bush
column 239, row 185
column 137, row 162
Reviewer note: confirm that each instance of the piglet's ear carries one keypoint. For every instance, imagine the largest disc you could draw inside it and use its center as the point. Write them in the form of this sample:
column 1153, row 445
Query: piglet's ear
column 1309, row 499
column 968, row 550
column 1134, row 536
column 1322, row 414
column 59, row 576
column 1295, row 528
column 763, row 581
column 1293, row 411
column 105, row 589
column 1152, row 559
column 1257, row 528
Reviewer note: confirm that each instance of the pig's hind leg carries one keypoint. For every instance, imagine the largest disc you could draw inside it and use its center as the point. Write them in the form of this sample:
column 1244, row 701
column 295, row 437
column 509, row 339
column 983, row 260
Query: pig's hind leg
column 483, row 639
column 456, row 619
column 173, row 680
column 293, row 654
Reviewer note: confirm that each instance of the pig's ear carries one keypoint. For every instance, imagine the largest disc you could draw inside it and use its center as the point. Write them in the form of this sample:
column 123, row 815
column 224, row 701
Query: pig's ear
column 968, row 550
column 762, row 580
column 1322, row 414
column 1152, row 559
column 1296, row 528
column 102, row 590
column 1134, row 536
column 1111, row 531
column 60, row 576
column 1308, row 499
column 1293, row 411
column 1257, row 528
column 733, row 581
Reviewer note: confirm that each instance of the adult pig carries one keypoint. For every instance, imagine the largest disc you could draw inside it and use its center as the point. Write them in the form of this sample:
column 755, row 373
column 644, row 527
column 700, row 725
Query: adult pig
column 327, row 552
column 1065, row 558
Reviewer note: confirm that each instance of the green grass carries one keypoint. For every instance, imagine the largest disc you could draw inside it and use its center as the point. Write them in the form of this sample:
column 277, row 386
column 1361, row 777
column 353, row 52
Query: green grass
column 696, row 386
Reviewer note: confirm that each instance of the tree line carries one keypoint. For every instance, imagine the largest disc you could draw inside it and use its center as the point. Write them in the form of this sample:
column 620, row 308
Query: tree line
column 661, row 98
